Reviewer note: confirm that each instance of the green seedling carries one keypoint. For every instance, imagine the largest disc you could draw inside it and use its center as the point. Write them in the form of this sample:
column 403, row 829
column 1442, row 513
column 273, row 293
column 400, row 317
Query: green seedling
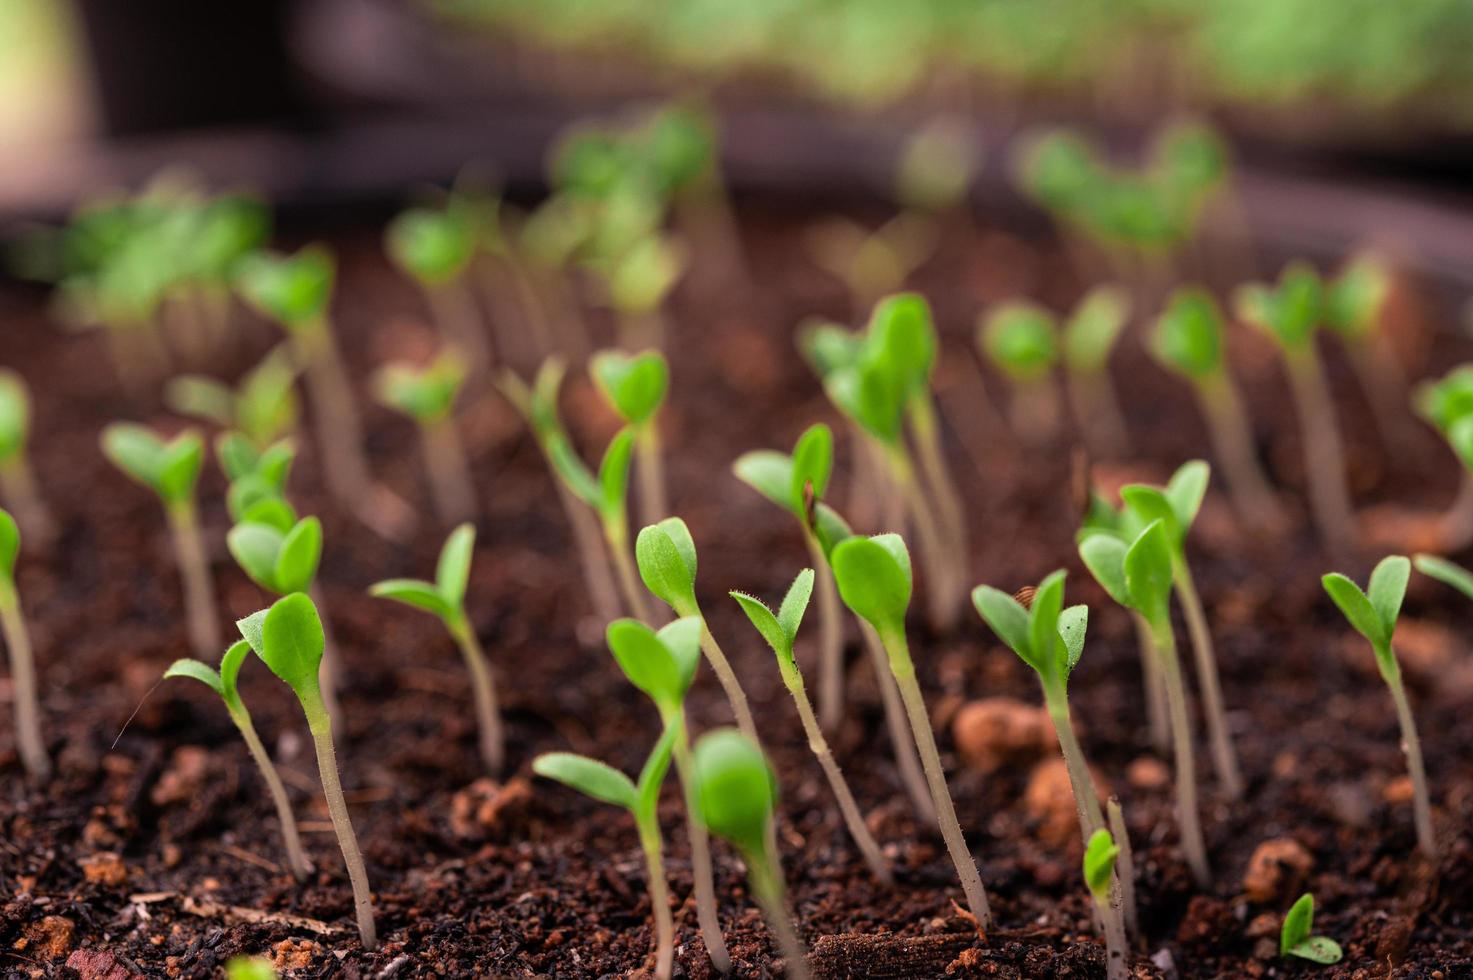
column 1447, row 405
column 608, row 785
column 1138, row 575
column 427, row 396
column 872, row 263
column 1295, row 939
column 738, row 796
column 635, row 385
column 1089, row 338
column 17, row 481
column 1355, row 307
column 1446, row 572
column 1373, row 614
column 663, row 665
column 637, row 283
column 255, row 475
column 780, row 630
column 29, row 741
column 874, row 579
column 223, row 683
column 1290, row 314
column 444, row 598
column 1022, row 340
column 1100, row 855
column 607, row 495
column 1188, row 340
column 262, row 409
column 171, row 470
column 288, row 638
column 435, row 248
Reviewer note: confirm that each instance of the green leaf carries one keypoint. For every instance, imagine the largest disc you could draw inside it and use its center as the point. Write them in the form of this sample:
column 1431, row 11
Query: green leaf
column 1021, row 340
column 647, row 662
column 1008, row 619
column 666, row 556
column 249, row 968
column 434, row 247
column 182, row 461
column 201, row 672
column 1387, row 589
column 1104, row 556
column 425, row 394
column 255, row 548
column 15, row 414
column 589, row 777
column 453, row 571
column 1043, row 625
column 766, row 623
column 735, row 787
column 652, row 776
column 1188, row 335
column 1354, row 301
column 1147, row 504
column 770, row 473
column 416, row 593
column 237, row 455
column 1318, row 949
column 291, row 642
column 293, row 290
column 1094, row 327
column 230, row 665
column 795, row 603
column 830, row 528
column 1099, row 864
column 250, row 500
column 202, row 398
column 9, row 546
column 813, row 463
column 634, row 384
column 828, row 347
column 874, row 579
column 1072, row 625
column 613, row 473
column 901, row 327
column 1289, row 312
column 1148, row 570
column 135, row 450
column 1357, row 608
column 1297, row 923
column 682, row 638
column 296, row 562
column 1446, row 572
column 571, row 469
column 1186, row 491
column 868, row 394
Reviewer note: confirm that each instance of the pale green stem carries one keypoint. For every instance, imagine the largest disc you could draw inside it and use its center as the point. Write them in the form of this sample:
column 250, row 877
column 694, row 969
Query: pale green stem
column 1224, row 756
column 194, row 570
column 650, row 469
column 1124, row 865
column 450, row 478
column 830, row 636
column 1232, row 445
column 596, row 575
column 1188, row 815
column 1086, row 801
column 943, row 587
column 1412, row 746
column 1324, row 459
column 329, row 674
column 1157, row 717
column 29, row 741
column 700, row 856
column 902, row 742
column 1456, row 527
column 616, row 539
column 1097, row 411
column 453, row 306
column 18, row 484
column 1117, row 965
column 296, row 857
column 721, row 667
column 492, row 738
column 650, row 843
column 927, row 431
column 533, row 310
column 767, row 888
column 320, row 726
column 1035, row 411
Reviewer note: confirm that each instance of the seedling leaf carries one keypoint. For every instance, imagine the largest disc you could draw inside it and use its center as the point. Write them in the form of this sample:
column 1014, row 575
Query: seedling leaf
column 1099, row 864
column 452, row 572
column 1148, row 570
column 666, row 556
column 9, row 546
column 296, row 563
column 647, row 662
column 874, row 578
column 1008, row 620
column 613, row 472
column 766, row 623
column 15, row 414
column 1295, row 938
column 1188, row 335
column 1186, row 491
column 1388, row 587
column 292, row 642
column 230, row 665
column 769, row 472
column 413, row 592
column 1104, row 556
column 1446, row 572
column 255, row 548
column 1072, row 625
column 589, row 777
column 201, row 672
column 735, row 787
column 795, row 602
column 634, row 384
column 1357, row 608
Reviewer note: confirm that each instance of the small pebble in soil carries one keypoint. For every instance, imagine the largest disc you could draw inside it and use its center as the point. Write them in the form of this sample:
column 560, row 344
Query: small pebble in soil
column 1277, row 868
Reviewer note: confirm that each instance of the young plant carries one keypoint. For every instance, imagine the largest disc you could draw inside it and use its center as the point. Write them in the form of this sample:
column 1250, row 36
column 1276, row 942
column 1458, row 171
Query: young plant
column 17, row 482
column 1188, row 339
column 1355, row 305
column 1099, row 875
column 1295, row 938
column 445, row 599
column 1290, row 313
column 1372, row 614
column 608, row 785
column 635, row 385
column 1138, row 575
column 1089, row 337
column 1021, row 340
column 874, row 579
column 288, row 638
column 29, row 741
column 780, row 630
column 222, row 682
column 263, row 408
column 435, row 248
column 1447, row 404
column 427, row 396
column 1446, row 572
column 738, row 794
column 607, row 494
column 171, row 470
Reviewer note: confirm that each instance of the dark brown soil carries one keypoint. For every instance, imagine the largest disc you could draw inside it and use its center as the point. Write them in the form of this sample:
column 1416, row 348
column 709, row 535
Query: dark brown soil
column 151, row 857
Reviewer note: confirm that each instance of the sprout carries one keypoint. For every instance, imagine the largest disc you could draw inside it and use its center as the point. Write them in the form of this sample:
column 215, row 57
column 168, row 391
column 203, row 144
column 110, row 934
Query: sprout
column 1445, row 572
column 445, row 598
column 1088, row 340
column 1021, row 340
column 872, row 264
column 288, row 638
column 637, row 283
column 1373, row 614
column 262, row 409
column 635, row 385
column 222, row 682
column 737, row 792
column 1099, row 875
column 1295, row 938
column 428, row 397
column 1188, row 339
column 1138, row 575
column 874, row 579
column 781, row 632
column 29, row 741
column 1447, row 404
column 607, row 495
column 254, row 474
column 606, row 784
column 17, row 481
column 435, row 249
column 171, row 470
column 1290, row 314
column 1355, row 304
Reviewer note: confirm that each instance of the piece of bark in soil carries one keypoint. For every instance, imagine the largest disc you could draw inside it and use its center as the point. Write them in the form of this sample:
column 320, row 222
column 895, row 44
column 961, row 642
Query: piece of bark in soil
column 858, row 955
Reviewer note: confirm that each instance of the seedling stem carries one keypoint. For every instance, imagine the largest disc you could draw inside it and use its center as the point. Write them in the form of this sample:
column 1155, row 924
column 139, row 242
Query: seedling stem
column 29, row 741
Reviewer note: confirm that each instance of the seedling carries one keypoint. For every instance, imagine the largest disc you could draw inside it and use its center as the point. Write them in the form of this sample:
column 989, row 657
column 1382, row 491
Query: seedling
column 608, row 785
column 427, row 396
column 1188, row 339
column 171, row 470
column 1099, row 875
column 780, row 630
column 738, row 794
column 17, row 482
column 1290, row 313
column 262, row 409
column 1373, row 614
column 607, row 495
column 1138, row 575
column 1446, row 572
column 1089, row 338
column 635, row 385
column 1447, row 404
column 222, row 682
column 255, row 475
column 445, row 599
column 288, row 638
column 29, row 741
column 1021, row 340
column 874, row 579
column 435, row 248
column 1295, row 938
column 1355, row 304
column 637, row 283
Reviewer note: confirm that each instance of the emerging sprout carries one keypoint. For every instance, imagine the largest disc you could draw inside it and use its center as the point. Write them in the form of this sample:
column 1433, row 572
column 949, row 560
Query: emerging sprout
column 427, row 395
column 171, row 470
column 1099, row 875
column 1021, row 340
column 288, row 638
column 1295, row 938
column 874, row 580
column 1089, row 338
column 604, row 783
column 262, row 409
column 29, row 742
column 222, row 682
column 1373, row 614
column 435, row 249
column 635, row 385
column 780, row 630
column 737, row 793
column 17, row 482
column 1355, row 305
column 445, row 599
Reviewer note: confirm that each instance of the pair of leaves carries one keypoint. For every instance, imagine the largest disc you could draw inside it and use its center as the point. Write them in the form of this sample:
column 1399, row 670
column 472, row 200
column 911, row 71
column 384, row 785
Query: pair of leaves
column 661, row 664
column 434, row 247
column 1373, row 612
column 426, row 394
column 872, row 378
column 1189, row 334
column 780, row 630
column 606, row 784
column 1295, row 938
column 257, row 480
column 634, row 384
column 262, row 408
column 1021, row 338
column 444, row 597
column 1093, row 328
column 736, row 789
column 874, row 579
column 15, row 415
column 784, row 479
column 1290, row 311
column 643, row 276
column 278, row 561
column 666, row 556
column 1137, row 574
column 288, row 638
column 1176, row 505
column 170, row 469
column 293, row 290
column 607, row 492
column 1046, row 636
column 222, row 681
column 1099, row 864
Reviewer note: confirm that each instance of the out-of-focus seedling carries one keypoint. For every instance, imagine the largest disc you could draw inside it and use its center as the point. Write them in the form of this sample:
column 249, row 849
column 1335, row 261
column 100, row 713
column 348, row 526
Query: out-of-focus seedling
column 17, row 482
column 1446, row 572
column 427, row 396
column 780, row 630
column 1188, row 339
column 171, row 470
column 1295, row 938
column 635, row 385
column 608, row 785
column 435, row 248
column 1099, row 875
column 29, row 742
column 1355, row 308
column 288, row 638
column 738, row 794
column 1089, row 338
column 1447, row 404
column 1372, row 614
column 874, row 579
column 222, row 682
column 263, row 408
column 445, row 599
column 1021, row 340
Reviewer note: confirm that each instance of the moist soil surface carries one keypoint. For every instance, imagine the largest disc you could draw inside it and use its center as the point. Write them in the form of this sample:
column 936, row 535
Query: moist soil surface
column 158, row 854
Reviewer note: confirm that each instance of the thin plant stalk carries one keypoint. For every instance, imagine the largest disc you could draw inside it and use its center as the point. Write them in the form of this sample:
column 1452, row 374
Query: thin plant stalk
column 927, row 432
column 768, row 889
column 29, row 741
column 1124, row 865
column 301, row 868
column 1412, row 746
column 700, row 856
column 1158, row 719
column 18, row 486
column 1034, row 412
column 650, row 471
column 1086, row 800
column 830, row 637
column 194, row 569
column 1456, row 530
column 641, row 331
column 453, row 306
column 1224, row 755
column 616, row 541
column 1115, row 944
column 450, row 479
column 721, row 667
column 1188, row 816
column 650, row 843
column 1232, row 445
column 320, row 725
column 942, row 586
column 1097, row 410
column 492, row 737
column 902, row 742
column 1324, row 459
column 330, row 671
column 586, row 538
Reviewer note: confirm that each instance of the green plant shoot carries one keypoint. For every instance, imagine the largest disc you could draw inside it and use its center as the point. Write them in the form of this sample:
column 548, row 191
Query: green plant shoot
column 30, row 743
column 427, row 396
column 1022, row 340
column 1447, row 405
column 1100, row 854
column 1089, row 338
column 1355, row 307
column 263, row 408
column 1295, row 937
column 435, row 248
column 607, row 495
column 17, row 481
column 635, row 385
